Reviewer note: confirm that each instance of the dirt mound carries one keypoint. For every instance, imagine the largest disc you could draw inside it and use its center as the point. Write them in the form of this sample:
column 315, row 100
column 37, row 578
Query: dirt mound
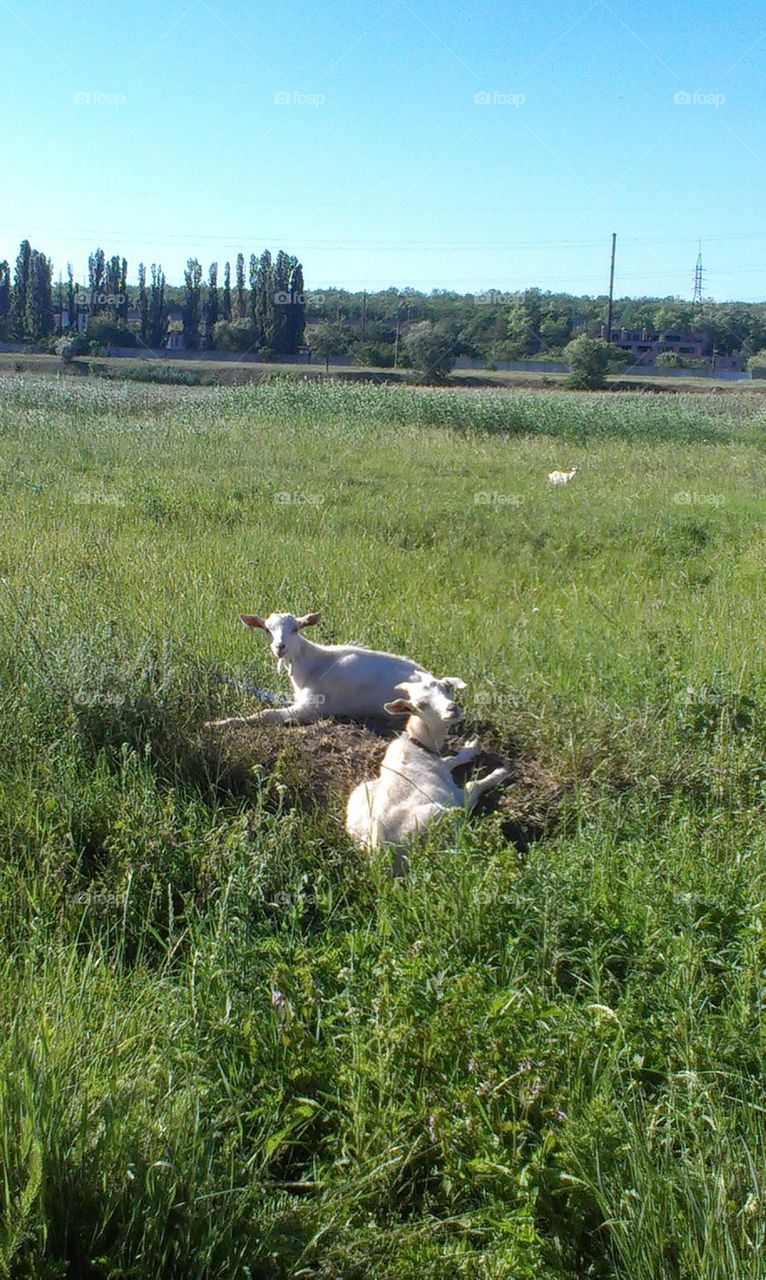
column 320, row 764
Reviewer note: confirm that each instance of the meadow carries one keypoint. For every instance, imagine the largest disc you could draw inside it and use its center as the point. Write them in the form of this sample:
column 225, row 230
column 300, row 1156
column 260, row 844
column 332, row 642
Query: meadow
column 230, row 1044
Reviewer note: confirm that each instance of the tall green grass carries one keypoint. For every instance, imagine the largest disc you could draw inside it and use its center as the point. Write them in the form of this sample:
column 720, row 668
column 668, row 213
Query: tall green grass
column 231, row 1045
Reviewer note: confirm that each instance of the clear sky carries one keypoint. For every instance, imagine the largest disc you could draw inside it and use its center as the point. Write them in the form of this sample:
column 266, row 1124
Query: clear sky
column 433, row 144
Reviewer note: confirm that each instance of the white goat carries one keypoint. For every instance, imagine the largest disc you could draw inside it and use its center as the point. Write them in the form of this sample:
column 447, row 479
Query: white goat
column 415, row 784
column 561, row 477
column 327, row 679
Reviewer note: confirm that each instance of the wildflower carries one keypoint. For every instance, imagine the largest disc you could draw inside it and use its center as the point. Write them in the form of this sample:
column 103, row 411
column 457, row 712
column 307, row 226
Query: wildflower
column 535, row 1090
column 277, row 999
column 432, row 1131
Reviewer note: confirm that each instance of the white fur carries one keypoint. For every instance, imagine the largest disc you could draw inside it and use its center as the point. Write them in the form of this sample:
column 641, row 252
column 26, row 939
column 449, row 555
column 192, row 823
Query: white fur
column 415, row 784
column 561, row 477
column 327, row 679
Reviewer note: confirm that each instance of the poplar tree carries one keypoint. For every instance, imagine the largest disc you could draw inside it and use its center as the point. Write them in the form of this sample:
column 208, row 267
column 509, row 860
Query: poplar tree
column 226, row 308
column 71, row 306
column 20, row 290
column 5, row 300
column 190, row 312
column 143, row 305
column 240, row 309
column 158, row 312
column 211, row 304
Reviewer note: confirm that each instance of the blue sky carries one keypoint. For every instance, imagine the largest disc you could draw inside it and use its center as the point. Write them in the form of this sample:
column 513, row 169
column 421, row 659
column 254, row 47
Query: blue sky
column 412, row 143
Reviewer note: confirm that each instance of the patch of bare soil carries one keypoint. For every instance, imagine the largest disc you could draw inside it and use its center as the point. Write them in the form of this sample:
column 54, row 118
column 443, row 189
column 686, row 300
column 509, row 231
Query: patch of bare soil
column 318, row 765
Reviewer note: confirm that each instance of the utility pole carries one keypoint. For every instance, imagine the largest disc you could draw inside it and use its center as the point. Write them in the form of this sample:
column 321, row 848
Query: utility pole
column 396, row 343
column 611, row 290
column 364, row 315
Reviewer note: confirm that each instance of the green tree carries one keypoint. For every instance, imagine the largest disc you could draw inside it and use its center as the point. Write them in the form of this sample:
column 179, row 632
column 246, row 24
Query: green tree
column 240, row 307
column 143, row 305
column 191, row 307
column 158, row 311
column 5, row 300
column 430, row 349
column 296, row 325
column 39, row 319
column 234, row 335
column 210, row 310
column 672, row 316
column 96, row 281
column 588, row 360
column 226, row 301
column 328, row 340
column 71, row 305
column 264, row 301
column 20, row 290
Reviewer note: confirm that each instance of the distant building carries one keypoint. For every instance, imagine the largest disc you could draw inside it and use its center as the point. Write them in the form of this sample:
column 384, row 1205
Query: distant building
column 646, row 344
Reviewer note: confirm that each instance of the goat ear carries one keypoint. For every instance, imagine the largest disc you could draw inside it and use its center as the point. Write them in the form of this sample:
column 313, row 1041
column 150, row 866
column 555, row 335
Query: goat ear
column 452, row 682
column 308, row 620
column 252, row 620
column 401, row 707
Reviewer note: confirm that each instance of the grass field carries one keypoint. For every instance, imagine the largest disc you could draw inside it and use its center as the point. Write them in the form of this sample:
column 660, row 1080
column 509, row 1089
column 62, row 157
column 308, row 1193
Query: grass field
column 199, row 371
column 231, row 1045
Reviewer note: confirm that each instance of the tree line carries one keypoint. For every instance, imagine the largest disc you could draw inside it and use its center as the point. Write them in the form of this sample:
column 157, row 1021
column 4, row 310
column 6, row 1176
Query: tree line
column 260, row 304
column 493, row 326
column 262, row 308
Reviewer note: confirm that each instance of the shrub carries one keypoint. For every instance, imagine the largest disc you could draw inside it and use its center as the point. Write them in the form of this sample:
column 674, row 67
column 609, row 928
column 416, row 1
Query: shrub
column 109, row 333
column 233, row 335
column 379, row 355
column 588, row 360
column 70, row 346
column 430, row 349
column 669, row 360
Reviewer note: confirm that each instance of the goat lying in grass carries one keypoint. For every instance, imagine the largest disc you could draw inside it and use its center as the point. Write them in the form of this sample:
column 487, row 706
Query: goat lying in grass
column 327, row 679
column 415, row 784
column 561, row 477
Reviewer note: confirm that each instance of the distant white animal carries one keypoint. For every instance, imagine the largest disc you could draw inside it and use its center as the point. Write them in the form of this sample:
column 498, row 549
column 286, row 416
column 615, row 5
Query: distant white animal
column 415, row 784
column 327, row 679
column 561, row 477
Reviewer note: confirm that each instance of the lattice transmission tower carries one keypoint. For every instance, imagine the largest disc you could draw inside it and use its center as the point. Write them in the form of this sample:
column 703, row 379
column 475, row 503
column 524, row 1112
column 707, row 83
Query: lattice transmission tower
column 697, row 295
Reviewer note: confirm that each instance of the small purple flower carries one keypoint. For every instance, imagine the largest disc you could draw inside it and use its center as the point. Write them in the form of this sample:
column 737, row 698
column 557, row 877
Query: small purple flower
column 560, row 1115
column 536, row 1089
column 277, row 999
column 471, row 1064
column 526, row 1065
